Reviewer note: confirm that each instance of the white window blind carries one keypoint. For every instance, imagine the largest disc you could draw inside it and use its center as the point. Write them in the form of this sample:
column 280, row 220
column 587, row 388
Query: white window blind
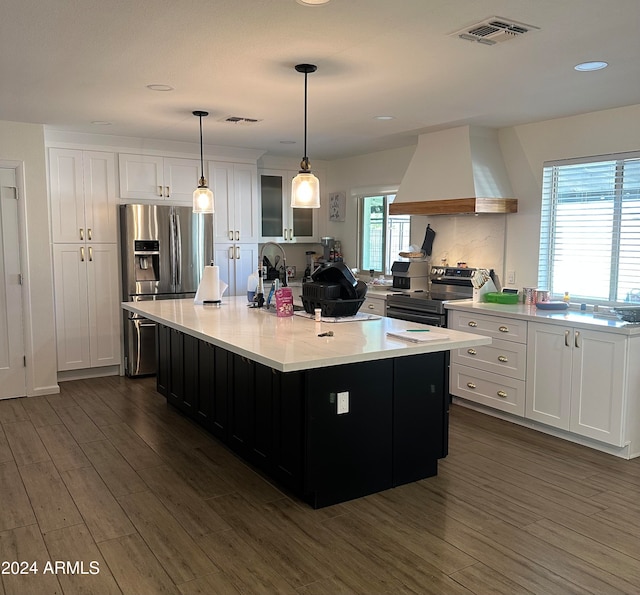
column 590, row 228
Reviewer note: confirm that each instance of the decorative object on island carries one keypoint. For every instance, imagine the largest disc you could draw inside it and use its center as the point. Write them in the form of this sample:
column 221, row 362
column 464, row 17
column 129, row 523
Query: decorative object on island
column 305, row 187
column 202, row 195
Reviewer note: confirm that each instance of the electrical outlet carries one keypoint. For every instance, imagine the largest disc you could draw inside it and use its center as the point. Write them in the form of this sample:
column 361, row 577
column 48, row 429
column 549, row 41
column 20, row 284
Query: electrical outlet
column 343, row 402
column 511, row 277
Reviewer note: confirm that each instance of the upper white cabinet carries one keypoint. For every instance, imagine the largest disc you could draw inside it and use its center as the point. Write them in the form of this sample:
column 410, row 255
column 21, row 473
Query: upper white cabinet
column 278, row 221
column 149, row 177
column 83, row 196
column 576, row 380
column 235, row 195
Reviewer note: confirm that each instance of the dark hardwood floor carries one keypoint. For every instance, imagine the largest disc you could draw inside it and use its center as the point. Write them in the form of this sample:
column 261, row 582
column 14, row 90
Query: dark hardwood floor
column 106, row 477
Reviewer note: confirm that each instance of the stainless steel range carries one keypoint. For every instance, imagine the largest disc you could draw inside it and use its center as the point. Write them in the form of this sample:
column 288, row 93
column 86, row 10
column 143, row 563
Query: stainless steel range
column 427, row 306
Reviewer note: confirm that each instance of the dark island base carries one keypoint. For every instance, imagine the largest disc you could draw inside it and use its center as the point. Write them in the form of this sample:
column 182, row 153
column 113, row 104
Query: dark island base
column 287, row 425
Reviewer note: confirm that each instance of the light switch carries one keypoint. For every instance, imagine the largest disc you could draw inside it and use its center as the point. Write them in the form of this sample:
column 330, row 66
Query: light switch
column 343, row 402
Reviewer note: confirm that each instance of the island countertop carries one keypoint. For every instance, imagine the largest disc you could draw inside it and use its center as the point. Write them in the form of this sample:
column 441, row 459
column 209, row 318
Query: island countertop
column 292, row 343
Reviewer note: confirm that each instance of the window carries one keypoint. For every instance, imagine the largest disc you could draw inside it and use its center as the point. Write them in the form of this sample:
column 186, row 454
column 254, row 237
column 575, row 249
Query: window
column 382, row 236
column 590, row 228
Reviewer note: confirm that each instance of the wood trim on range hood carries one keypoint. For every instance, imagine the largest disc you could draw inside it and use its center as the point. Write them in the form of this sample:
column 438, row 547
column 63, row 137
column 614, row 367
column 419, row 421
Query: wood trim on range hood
column 455, row 206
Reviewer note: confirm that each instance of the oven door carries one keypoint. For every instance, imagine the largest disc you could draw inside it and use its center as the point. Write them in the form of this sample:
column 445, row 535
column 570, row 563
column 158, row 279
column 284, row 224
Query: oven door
column 413, row 313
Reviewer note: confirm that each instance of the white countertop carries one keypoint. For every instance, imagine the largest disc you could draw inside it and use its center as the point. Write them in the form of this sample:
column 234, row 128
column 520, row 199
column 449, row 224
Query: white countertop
column 290, row 344
column 575, row 318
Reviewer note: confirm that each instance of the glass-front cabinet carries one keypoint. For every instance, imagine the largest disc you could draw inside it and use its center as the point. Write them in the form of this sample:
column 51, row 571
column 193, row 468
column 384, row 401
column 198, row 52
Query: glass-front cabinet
column 279, row 222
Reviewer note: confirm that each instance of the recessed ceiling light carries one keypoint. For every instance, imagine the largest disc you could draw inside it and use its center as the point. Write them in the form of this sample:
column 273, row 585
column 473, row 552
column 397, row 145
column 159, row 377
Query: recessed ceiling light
column 312, row 2
column 101, row 123
column 384, row 118
column 589, row 66
column 160, row 87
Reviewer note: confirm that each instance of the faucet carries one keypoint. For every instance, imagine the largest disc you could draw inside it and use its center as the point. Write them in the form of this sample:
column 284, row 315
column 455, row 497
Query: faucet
column 260, row 290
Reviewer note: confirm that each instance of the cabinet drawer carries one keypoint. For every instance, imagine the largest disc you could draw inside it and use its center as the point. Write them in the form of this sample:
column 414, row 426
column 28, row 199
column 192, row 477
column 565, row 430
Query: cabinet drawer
column 374, row 306
column 503, row 357
column 487, row 388
column 509, row 329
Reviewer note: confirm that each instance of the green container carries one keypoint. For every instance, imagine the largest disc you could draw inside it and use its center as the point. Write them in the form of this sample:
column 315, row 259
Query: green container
column 492, row 296
column 507, row 298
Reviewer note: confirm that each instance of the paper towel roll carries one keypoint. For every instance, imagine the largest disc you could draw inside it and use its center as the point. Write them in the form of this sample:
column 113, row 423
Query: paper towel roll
column 210, row 288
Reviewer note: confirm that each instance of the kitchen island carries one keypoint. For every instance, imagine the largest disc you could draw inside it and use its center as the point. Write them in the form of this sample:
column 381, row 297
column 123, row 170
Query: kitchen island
column 329, row 417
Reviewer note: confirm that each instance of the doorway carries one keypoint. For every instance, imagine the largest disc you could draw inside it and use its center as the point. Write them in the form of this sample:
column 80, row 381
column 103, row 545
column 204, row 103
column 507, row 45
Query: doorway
column 12, row 353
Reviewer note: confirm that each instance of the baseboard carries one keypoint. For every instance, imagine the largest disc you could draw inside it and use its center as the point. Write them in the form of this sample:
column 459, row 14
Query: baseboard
column 88, row 373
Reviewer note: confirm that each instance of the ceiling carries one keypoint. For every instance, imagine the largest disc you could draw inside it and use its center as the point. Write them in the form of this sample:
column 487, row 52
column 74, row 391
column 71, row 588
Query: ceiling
column 68, row 63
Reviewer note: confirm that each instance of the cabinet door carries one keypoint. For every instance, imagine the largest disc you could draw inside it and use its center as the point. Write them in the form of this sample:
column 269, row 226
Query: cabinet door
column 67, row 195
column 272, row 211
column 548, row 387
column 72, row 316
column 100, row 202
column 245, row 262
column 245, row 203
column 597, row 395
column 103, row 302
column 141, row 176
column 180, row 179
column 223, row 257
column 220, row 178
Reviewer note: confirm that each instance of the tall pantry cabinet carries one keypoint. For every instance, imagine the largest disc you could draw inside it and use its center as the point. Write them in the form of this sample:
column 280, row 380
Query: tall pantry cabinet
column 83, row 203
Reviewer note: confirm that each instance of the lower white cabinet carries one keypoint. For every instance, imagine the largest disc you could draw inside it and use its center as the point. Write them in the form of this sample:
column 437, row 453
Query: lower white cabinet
column 492, row 375
column 87, row 303
column 576, row 380
column 374, row 304
column 236, row 262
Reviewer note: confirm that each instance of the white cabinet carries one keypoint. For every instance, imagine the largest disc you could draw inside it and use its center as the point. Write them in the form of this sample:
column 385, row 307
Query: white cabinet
column 492, row 375
column 83, row 196
column 235, row 192
column 236, row 261
column 278, row 221
column 87, row 305
column 374, row 304
column 150, row 177
column 576, row 380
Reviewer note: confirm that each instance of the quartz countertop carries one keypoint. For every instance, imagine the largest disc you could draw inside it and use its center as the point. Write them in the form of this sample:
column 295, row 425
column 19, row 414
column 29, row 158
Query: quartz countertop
column 576, row 318
column 292, row 343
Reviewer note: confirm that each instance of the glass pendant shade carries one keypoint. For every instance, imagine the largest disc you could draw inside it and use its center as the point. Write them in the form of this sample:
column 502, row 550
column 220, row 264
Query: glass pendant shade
column 202, row 200
column 305, row 191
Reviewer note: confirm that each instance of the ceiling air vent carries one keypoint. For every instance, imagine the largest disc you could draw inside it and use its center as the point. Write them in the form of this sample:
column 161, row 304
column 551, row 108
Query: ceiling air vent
column 240, row 121
column 493, row 30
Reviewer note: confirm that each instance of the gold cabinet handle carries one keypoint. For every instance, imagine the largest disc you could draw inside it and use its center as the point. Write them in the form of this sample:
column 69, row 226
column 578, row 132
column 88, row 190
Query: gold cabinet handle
column 81, row 233
column 472, row 352
column 237, row 252
column 168, row 192
column 290, row 233
column 237, row 236
column 81, row 253
column 371, row 307
column 566, row 338
column 90, row 254
column 471, row 385
column 231, row 235
column 473, row 323
column 575, row 340
column 503, row 329
column 502, row 394
column 503, row 359
column 230, row 252
column 159, row 190
column 89, row 234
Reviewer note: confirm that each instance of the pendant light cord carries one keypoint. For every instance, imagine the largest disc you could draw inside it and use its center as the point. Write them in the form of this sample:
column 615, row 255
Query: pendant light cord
column 201, row 154
column 306, row 158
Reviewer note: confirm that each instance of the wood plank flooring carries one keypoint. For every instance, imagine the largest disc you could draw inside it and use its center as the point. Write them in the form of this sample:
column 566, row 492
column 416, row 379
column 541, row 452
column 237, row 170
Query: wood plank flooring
column 107, row 473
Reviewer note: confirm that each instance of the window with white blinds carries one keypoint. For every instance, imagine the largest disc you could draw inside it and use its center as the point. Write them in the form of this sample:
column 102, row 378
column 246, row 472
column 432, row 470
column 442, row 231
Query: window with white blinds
column 590, row 228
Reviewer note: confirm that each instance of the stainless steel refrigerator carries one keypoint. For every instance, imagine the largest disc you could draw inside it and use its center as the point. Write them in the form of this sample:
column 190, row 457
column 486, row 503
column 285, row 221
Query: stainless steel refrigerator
column 164, row 251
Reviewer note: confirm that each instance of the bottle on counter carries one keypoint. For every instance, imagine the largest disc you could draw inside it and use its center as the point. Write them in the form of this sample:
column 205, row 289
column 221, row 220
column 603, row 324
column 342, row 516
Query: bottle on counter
column 566, row 299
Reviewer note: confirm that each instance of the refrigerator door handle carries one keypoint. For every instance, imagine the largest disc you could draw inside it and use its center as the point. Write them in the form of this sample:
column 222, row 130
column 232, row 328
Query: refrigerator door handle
column 172, row 247
column 178, row 249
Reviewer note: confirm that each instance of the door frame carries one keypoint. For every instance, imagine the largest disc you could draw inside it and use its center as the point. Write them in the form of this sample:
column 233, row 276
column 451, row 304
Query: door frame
column 18, row 167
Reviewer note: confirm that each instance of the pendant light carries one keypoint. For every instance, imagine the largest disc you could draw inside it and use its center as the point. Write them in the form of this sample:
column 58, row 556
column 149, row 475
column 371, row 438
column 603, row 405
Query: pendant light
column 305, row 188
column 202, row 196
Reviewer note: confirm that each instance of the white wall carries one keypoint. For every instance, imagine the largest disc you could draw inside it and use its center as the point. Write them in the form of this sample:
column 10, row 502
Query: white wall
column 25, row 143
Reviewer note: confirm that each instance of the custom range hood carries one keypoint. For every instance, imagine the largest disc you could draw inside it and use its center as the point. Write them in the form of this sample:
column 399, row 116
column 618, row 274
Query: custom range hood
column 455, row 171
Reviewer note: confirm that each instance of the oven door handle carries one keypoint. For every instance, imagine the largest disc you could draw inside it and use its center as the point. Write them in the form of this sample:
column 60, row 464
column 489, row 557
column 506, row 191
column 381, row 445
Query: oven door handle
column 431, row 319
